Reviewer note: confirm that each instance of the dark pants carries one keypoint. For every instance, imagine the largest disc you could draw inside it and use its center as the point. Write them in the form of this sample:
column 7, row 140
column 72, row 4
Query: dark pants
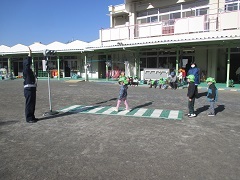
column 173, row 85
column 191, row 106
column 30, row 96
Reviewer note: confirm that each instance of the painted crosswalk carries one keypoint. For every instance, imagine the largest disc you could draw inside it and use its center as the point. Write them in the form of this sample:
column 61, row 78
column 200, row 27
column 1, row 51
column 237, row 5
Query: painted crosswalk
column 135, row 112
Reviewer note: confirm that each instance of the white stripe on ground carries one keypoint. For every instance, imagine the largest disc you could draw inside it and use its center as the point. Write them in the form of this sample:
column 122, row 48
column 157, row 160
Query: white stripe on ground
column 173, row 114
column 95, row 109
column 122, row 112
column 70, row 108
column 156, row 113
column 83, row 108
column 140, row 112
column 109, row 110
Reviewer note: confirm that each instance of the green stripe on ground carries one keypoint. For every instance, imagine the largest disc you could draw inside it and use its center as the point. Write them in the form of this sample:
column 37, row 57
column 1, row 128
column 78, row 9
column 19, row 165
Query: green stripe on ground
column 137, row 112
column 180, row 115
column 116, row 112
column 148, row 112
column 89, row 108
column 132, row 112
column 76, row 109
column 165, row 114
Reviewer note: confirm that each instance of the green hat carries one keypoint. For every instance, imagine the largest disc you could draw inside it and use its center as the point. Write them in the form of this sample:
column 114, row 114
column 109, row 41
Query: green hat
column 191, row 78
column 210, row 79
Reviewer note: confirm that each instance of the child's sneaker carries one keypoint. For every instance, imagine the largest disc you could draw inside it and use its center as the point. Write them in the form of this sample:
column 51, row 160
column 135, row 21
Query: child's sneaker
column 127, row 110
column 192, row 115
column 116, row 109
column 211, row 114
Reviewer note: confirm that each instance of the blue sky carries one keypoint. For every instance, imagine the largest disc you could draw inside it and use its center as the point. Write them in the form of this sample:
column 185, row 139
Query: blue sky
column 46, row 21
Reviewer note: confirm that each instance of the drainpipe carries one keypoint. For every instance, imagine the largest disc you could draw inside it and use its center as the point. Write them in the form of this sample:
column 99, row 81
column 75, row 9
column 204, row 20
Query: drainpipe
column 58, row 64
column 217, row 24
column 228, row 67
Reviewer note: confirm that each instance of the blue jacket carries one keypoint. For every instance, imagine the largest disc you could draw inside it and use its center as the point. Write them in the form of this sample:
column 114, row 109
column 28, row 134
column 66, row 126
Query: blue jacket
column 212, row 93
column 195, row 71
column 123, row 92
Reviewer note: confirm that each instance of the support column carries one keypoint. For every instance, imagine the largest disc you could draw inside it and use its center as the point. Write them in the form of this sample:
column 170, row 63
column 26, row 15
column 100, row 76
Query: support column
column 228, row 67
column 9, row 65
column 85, row 66
column 137, row 64
column 58, row 66
column 33, row 68
column 107, row 74
column 177, row 60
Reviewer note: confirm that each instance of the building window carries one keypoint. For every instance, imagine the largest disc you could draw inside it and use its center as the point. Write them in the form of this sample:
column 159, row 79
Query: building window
column 152, row 62
column 173, row 12
column 152, row 19
column 232, row 5
column 142, row 14
column 143, row 63
column 175, row 15
column 202, row 11
column 230, row 1
column 142, row 21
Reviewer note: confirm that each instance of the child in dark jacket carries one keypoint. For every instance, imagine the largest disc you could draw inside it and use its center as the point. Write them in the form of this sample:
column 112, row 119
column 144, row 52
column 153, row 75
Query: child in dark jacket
column 192, row 92
column 122, row 94
column 211, row 95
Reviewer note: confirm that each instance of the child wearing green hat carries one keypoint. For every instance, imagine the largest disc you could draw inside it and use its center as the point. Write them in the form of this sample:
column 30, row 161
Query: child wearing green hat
column 211, row 95
column 122, row 94
column 191, row 94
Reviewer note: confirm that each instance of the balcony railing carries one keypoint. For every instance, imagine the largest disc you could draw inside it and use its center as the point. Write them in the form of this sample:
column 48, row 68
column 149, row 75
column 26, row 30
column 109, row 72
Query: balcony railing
column 205, row 23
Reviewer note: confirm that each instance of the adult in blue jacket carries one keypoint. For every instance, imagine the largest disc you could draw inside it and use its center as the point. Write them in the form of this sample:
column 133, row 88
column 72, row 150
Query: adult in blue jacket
column 194, row 70
column 29, row 89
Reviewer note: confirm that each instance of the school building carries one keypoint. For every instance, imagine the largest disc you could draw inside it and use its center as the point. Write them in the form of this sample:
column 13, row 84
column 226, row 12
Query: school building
column 147, row 34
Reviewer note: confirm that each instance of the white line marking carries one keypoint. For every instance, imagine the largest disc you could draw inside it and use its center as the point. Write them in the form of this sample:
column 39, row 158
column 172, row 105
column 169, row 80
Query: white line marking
column 83, row 108
column 70, row 108
column 95, row 110
column 140, row 112
column 109, row 110
column 122, row 112
column 173, row 114
column 156, row 113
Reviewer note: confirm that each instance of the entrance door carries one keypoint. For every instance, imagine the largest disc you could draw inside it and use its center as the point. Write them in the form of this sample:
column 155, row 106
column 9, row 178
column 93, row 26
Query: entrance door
column 234, row 65
column 66, row 69
column 15, row 68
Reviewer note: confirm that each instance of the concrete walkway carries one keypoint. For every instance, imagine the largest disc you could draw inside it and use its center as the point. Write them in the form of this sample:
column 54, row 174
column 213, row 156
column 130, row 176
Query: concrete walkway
column 91, row 146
